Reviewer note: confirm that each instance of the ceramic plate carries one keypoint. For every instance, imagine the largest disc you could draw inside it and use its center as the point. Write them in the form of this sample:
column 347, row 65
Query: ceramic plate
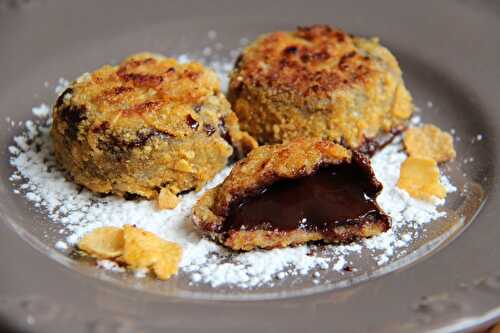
column 448, row 281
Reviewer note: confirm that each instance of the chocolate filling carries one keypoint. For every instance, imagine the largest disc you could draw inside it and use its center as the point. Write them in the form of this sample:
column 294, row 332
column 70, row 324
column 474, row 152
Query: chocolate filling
column 191, row 122
column 115, row 144
column 372, row 145
column 73, row 115
column 60, row 99
column 333, row 196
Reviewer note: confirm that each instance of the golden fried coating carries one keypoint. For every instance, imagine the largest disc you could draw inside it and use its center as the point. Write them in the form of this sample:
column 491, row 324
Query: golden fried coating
column 320, row 82
column 269, row 164
column 146, row 126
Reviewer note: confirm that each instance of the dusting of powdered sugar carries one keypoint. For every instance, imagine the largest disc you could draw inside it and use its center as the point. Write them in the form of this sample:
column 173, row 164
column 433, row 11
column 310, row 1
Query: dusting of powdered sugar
column 78, row 211
column 407, row 214
column 110, row 266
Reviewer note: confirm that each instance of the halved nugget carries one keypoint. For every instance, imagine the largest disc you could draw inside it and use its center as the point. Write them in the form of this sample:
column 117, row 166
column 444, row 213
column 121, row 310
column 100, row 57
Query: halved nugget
column 292, row 193
column 319, row 81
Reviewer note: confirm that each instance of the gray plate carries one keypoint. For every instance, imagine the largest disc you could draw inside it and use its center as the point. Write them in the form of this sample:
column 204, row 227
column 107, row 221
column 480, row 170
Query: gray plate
column 448, row 52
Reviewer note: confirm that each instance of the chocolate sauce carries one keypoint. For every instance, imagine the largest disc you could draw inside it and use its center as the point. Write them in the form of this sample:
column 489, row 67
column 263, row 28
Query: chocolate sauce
column 334, row 195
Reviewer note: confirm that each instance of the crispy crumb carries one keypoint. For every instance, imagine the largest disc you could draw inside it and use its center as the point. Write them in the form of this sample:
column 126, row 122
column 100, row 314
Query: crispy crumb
column 103, row 243
column 144, row 249
column 167, row 200
column 421, row 179
column 429, row 141
column 134, row 247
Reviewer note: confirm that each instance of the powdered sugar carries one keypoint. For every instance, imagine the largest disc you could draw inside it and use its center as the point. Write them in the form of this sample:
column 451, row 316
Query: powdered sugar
column 110, row 265
column 41, row 111
column 61, row 245
column 406, row 212
column 62, row 84
column 79, row 211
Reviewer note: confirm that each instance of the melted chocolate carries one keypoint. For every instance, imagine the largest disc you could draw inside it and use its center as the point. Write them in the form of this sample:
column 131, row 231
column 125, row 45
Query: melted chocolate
column 209, row 129
column 73, row 115
column 373, row 145
column 60, row 99
column 116, row 145
column 333, row 196
column 191, row 122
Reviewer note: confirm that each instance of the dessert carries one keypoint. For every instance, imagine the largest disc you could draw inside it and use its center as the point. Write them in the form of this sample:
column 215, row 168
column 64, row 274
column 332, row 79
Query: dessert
column 318, row 81
column 148, row 127
column 287, row 194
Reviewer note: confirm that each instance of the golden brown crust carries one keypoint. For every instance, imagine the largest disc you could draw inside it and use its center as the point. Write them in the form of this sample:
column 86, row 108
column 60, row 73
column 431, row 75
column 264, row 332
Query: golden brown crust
column 144, row 125
column 264, row 166
column 320, row 82
column 249, row 240
column 311, row 61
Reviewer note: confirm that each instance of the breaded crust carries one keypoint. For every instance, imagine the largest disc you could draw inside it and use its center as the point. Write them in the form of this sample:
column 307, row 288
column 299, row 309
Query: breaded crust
column 318, row 81
column 266, row 165
column 146, row 125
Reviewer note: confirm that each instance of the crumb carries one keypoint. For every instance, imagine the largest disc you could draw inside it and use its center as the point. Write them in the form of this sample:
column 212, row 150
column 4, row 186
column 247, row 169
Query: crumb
column 429, row 141
column 421, row 179
column 140, row 250
column 103, row 243
column 167, row 200
column 144, row 249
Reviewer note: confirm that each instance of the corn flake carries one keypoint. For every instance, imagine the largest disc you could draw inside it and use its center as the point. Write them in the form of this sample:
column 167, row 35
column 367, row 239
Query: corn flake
column 103, row 243
column 429, row 141
column 144, row 249
column 167, row 200
column 420, row 178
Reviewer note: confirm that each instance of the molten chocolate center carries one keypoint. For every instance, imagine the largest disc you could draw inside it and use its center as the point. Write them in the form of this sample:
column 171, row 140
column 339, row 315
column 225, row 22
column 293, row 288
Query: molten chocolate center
column 333, row 196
